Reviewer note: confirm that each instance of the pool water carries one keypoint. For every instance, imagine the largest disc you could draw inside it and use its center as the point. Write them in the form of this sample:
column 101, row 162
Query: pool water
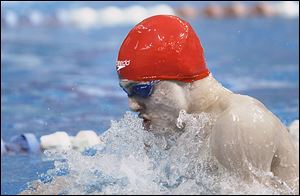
column 64, row 79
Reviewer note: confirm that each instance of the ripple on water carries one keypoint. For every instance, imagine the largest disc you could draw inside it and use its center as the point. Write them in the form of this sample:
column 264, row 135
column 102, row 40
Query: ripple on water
column 132, row 160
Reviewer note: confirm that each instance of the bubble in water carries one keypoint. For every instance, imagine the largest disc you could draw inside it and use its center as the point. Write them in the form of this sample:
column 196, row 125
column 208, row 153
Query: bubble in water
column 132, row 160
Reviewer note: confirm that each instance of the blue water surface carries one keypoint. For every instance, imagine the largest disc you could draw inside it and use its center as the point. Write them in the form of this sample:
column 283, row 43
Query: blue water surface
column 64, row 79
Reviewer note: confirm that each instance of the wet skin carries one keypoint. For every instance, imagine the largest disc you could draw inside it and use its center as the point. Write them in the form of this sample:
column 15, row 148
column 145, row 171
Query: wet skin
column 245, row 135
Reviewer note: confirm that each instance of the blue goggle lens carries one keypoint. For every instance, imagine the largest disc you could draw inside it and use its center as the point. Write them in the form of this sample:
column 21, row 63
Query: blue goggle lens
column 141, row 90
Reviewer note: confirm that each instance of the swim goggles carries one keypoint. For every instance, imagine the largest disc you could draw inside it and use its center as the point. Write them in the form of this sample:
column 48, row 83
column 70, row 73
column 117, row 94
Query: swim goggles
column 143, row 90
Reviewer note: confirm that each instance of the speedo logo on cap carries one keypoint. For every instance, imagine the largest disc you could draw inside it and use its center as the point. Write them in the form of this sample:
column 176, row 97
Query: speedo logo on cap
column 122, row 64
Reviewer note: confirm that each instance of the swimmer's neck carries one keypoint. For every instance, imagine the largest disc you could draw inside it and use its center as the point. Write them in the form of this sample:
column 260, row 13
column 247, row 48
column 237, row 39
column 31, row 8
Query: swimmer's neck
column 208, row 95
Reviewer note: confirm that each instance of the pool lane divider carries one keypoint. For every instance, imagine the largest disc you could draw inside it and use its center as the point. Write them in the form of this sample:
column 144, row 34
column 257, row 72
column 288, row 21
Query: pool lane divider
column 27, row 143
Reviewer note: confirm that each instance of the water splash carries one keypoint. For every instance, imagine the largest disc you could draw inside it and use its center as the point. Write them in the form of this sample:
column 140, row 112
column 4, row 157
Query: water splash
column 132, row 160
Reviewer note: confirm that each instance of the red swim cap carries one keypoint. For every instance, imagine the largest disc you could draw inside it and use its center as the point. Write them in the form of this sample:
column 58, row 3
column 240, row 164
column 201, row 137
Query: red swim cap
column 162, row 47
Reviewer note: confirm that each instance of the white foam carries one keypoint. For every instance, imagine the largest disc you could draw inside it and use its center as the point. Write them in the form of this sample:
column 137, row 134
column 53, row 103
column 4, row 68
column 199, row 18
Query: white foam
column 134, row 161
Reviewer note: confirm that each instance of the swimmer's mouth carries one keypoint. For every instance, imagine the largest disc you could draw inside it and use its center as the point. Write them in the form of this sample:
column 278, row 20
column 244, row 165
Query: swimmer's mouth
column 146, row 121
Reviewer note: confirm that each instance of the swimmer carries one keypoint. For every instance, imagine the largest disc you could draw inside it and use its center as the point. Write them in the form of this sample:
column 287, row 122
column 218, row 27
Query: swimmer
column 161, row 67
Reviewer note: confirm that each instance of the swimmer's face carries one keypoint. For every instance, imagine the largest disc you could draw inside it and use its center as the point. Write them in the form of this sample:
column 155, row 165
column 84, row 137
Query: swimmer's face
column 161, row 108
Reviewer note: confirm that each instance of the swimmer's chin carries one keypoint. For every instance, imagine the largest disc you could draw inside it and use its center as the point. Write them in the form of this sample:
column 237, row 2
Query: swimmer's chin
column 146, row 124
column 146, row 121
column 149, row 125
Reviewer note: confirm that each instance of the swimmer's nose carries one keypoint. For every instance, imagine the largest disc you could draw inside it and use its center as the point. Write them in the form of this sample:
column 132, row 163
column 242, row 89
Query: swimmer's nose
column 134, row 105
